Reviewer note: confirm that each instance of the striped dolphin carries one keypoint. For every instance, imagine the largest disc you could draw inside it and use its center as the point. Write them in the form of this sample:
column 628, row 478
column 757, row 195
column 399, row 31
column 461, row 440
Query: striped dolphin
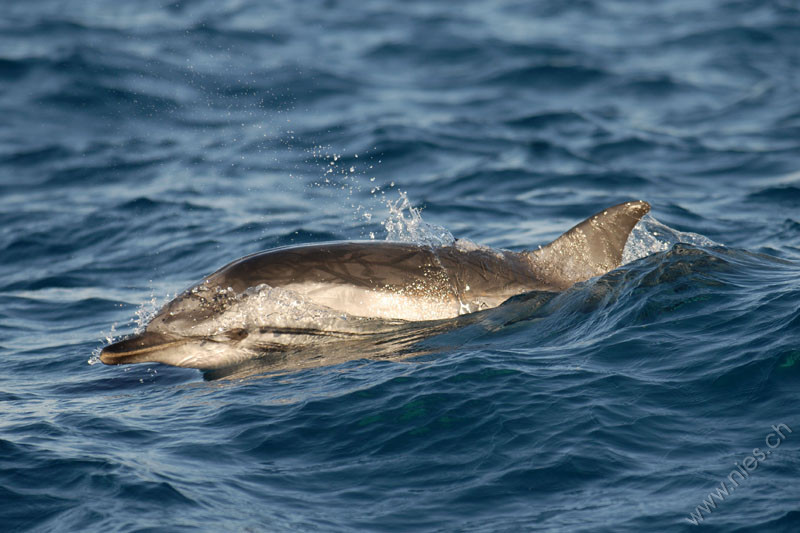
column 316, row 294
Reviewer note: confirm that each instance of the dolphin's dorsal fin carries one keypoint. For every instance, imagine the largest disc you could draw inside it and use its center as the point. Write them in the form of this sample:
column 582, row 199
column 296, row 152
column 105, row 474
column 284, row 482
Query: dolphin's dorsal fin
column 590, row 249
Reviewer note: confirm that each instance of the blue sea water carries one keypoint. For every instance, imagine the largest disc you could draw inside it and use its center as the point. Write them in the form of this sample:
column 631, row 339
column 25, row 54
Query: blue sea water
column 145, row 144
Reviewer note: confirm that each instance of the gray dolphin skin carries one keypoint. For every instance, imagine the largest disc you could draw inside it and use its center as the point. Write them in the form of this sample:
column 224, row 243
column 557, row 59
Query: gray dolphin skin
column 318, row 294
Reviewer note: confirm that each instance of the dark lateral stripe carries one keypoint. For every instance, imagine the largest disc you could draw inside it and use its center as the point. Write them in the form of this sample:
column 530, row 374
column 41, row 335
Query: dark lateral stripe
column 313, row 332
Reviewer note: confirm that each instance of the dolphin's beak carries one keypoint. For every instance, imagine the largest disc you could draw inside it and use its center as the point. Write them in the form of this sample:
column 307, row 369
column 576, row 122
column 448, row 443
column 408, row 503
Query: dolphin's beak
column 137, row 349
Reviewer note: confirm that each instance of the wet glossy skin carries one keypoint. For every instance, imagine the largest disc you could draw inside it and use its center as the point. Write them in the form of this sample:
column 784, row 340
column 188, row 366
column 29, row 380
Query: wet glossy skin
column 367, row 281
column 350, row 276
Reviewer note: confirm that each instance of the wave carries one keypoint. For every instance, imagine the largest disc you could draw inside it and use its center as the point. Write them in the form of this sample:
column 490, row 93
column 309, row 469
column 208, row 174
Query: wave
column 788, row 195
column 547, row 76
column 680, row 284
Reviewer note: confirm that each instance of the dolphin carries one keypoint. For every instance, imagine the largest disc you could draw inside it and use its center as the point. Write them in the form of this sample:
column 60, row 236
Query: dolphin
column 319, row 294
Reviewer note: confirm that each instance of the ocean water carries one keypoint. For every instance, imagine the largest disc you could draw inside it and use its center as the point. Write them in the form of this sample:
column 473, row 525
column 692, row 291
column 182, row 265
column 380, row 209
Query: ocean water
column 145, row 144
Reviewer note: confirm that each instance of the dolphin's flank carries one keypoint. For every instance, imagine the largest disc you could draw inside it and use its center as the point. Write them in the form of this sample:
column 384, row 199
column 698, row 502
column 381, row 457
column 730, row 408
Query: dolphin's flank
column 311, row 295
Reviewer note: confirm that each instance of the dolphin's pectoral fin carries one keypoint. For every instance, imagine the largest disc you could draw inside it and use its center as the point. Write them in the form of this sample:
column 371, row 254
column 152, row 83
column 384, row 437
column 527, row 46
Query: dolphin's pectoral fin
column 591, row 248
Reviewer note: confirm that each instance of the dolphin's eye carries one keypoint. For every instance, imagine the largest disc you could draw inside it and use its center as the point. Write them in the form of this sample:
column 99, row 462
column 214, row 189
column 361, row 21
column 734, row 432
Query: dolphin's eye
column 236, row 334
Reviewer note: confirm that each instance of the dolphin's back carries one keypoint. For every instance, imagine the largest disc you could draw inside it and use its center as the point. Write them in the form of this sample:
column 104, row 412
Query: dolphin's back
column 406, row 281
column 386, row 279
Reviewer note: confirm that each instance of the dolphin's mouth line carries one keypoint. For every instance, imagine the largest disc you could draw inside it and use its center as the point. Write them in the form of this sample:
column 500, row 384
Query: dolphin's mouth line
column 147, row 349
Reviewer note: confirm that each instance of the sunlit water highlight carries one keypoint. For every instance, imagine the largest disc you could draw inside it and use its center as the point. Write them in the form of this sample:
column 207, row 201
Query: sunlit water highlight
column 143, row 146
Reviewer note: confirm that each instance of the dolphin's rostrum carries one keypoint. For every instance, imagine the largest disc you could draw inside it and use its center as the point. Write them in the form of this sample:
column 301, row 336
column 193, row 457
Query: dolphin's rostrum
column 316, row 294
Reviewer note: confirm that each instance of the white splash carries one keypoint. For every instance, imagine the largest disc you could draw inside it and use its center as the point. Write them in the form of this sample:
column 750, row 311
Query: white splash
column 148, row 309
column 108, row 338
column 410, row 227
column 144, row 313
column 650, row 236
